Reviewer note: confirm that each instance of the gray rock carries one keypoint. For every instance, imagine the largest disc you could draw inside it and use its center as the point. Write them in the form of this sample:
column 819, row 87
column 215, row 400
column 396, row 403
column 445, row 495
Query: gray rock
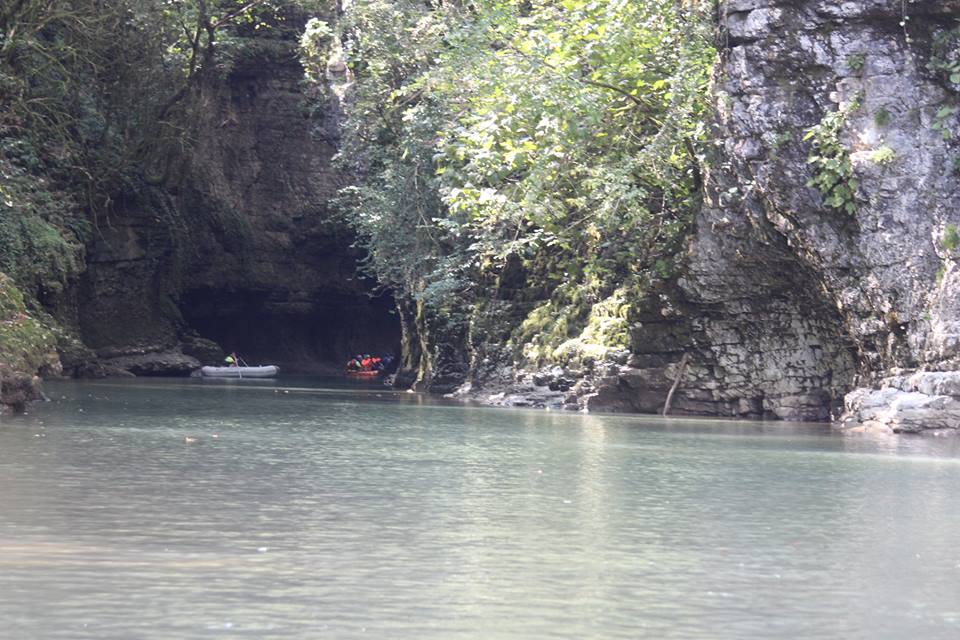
column 923, row 402
column 785, row 290
column 901, row 411
column 166, row 363
column 542, row 378
column 17, row 390
column 207, row 352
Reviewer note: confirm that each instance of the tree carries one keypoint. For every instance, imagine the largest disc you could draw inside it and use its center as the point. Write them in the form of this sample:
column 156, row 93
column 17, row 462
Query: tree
column 564, row 134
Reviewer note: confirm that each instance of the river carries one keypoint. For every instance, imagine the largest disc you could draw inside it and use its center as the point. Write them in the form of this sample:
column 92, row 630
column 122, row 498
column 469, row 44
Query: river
column 312, row 510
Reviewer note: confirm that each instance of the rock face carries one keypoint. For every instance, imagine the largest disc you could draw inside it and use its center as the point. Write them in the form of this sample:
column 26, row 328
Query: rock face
column 126, row 298
column 790, row 298
column 17, row 389
column 156, row 363
column 242, row 247
column 275, row 275
column 883, row 276
column 817, row 294
column 922, row 402
column 787, row 302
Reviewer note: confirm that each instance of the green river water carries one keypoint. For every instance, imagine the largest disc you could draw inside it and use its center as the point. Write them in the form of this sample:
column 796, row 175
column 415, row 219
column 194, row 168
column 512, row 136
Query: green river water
column 333, row 511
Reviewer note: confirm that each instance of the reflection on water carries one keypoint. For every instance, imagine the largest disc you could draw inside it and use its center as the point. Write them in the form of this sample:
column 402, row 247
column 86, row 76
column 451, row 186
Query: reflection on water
column 353, row 511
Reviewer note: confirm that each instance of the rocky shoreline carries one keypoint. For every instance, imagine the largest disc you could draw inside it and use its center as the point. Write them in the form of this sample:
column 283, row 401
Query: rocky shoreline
column 919, row 403
column 915, row 403
column 925, row 402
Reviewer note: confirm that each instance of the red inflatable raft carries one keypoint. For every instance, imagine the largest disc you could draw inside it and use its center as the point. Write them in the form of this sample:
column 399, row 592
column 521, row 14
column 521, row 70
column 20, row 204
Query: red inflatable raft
column 352, row 373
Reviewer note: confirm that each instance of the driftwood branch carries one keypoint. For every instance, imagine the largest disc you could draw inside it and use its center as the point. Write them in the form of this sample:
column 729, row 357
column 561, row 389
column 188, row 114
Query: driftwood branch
column 681, row 369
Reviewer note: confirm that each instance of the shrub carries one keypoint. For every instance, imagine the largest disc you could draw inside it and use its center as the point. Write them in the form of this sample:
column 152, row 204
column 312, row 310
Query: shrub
column 951, row 238
column 833, row 175
column 883, row 155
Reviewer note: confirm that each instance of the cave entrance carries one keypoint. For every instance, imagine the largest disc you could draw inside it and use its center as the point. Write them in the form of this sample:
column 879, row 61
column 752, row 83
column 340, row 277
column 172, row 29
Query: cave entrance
column 314, row 335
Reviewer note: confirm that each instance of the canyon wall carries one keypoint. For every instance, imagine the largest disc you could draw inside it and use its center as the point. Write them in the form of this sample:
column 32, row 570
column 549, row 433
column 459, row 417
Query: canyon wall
column 820, row 271
column 835, row 296
column 241, row 246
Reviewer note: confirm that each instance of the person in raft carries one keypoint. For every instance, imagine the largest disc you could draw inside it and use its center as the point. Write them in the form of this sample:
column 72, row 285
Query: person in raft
column 231, row 360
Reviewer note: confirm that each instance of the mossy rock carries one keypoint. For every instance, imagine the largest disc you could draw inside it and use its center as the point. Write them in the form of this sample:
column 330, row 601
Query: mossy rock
column 26, row 345
column 574, row 330
column 17, row 389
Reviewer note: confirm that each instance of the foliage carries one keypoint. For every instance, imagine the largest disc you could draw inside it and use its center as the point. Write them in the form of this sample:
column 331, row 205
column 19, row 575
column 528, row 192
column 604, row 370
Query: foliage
column 563, row 134
column 24, row 342
column 945, row 63
column 571, row 329
column 951, row 238
column 780, row 140
column 883, row 155
column 856, row 61
column 942, row 121
column 833, row 175
column 945, row 56
column 882, row 117
column 315, row 44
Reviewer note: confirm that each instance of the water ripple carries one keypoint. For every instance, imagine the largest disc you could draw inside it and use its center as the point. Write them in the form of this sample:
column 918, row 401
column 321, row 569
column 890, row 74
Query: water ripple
column 358, row 513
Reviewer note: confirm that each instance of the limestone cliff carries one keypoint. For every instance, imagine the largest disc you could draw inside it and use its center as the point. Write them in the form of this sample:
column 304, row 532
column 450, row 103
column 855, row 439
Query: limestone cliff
column 789, row 298
column 240, row 245
column 831, row 297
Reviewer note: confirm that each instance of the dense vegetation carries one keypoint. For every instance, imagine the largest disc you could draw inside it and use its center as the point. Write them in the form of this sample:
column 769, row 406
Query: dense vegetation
column 535, row 159
column 520, row 172
column 25, row 343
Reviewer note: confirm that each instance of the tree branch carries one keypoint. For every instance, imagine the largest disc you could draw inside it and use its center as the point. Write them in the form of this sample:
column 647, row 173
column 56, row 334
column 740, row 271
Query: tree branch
column 233, row 15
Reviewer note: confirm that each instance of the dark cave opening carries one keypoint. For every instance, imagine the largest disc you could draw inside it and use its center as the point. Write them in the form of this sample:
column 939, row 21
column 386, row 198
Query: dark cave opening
column 315, row 334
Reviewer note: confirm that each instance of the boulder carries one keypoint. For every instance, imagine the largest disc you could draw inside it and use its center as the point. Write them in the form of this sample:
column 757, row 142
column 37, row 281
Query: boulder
column 164, row 363
column 925, row 402
column 17, row 389
column 207, row 352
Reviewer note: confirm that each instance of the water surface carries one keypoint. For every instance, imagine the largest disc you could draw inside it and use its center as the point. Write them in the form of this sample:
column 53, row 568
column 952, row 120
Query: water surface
column 336, row 511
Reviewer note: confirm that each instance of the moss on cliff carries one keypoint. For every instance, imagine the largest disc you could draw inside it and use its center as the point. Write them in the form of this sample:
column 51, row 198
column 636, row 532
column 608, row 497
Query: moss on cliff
column 25, row 343
column 574, row 326
column 42, row 230
column 26, row 346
